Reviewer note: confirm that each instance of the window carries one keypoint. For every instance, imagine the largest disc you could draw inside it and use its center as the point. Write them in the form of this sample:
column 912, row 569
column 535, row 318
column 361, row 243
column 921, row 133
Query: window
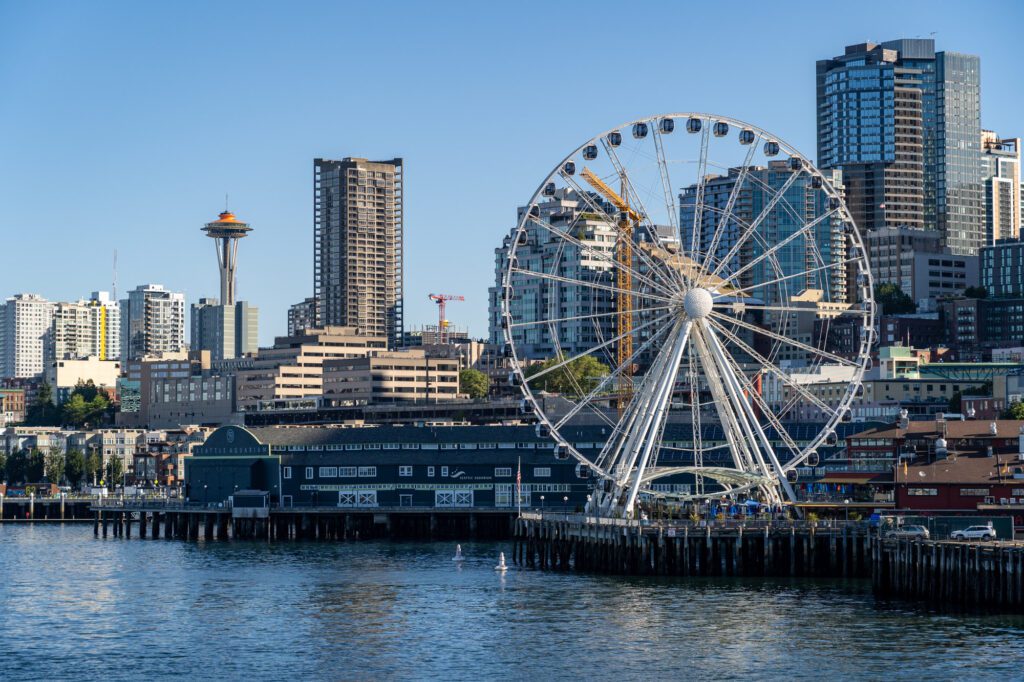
column 347, row 472
column 405, row 470
column 390, row 446
column 502, row 472
column 922, row 491
column 430, row 472
column 309, row 473
column 542, row 472
column 328, row 472
column 973, row 492
column 503, row 495
column 365, row 472
column 444, row 472
column 287, row 472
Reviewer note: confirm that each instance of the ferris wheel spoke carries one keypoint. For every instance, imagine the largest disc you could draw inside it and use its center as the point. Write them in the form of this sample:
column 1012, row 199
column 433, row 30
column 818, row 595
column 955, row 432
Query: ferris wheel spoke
column 666, row 181
column 772, row 369
column 637, row 202
column 770, row 253
column 729, row 207
column 754, row 224
column 608, row 378
column 592, row 285
column 585, row 196
column 635, row 311
column 665, row 288
column 563, row 363
column 785, row 339
column 698, row 203
column 750, row 418
column 811, row 271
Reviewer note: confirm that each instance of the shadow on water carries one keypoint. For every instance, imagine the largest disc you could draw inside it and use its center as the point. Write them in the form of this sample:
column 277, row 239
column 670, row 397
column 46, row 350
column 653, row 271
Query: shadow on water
column 116, row 609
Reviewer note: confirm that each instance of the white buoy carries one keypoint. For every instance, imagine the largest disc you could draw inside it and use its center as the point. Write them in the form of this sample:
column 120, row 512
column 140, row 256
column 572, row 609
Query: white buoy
column 501, row 563
column 458, row 554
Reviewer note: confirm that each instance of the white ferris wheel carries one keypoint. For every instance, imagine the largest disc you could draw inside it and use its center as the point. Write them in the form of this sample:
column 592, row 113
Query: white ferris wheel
column 705, row 265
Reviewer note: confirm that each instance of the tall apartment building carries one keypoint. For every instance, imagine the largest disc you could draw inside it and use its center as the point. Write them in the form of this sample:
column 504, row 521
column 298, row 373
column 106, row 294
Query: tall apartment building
column 801, row 204
column 917, row 262
column 540, row 298
column 84, row 329
column 227, row 331
column 26, row 321
column 357, row 245
column 903, row 123
column 152, row 321
column 301, row 316
column 293, row 366
column 1000, row 163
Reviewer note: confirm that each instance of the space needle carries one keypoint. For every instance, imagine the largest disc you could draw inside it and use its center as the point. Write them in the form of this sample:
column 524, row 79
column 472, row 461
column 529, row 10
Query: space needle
column 227, row 230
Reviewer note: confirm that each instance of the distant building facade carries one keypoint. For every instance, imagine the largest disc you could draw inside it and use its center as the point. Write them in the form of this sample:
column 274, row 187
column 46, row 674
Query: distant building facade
column 25, row 325
column 152, row 321
column 917, row 262
column 358, row 245
column 1002, row 268
column 389, row 377
column 301, row 316
column 227, row 331
column 1000, row 161
column 86, row 328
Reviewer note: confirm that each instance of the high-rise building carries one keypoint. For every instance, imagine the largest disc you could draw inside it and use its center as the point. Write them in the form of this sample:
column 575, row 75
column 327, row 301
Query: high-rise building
column 1000, row 164
column 84, row 329
column 357, row 245
column 26, row 321
column 801, row 204
column 918, row 263
column 903, row 123
column 301, row 316
column 227, row 331
column 582, row 309
column 152, row 321
column 225, row 327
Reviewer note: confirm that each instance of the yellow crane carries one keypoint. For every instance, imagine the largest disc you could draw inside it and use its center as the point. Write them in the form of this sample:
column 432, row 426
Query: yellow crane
column 623, row 281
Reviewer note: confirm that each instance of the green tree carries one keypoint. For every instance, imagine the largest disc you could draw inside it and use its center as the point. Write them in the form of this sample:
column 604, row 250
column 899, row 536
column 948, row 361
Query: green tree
column 574, row 379
column 976, row 292
column 474, row 383
column 74, row 466
column 3, row 467
column 75, row 410
column 54, row 467
column 93, row 466
column 1014, row 411
column 113, row 472
column 17, row 464
column 36, row 466
column 893, row 300
column 42, row 411
column 955, row 402
column 87, row 404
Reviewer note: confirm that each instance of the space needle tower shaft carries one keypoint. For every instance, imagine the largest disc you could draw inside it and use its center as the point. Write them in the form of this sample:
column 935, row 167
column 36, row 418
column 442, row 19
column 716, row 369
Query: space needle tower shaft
column 226, row 231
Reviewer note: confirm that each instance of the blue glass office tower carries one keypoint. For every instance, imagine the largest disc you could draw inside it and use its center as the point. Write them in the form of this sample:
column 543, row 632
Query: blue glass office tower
column 903, row 123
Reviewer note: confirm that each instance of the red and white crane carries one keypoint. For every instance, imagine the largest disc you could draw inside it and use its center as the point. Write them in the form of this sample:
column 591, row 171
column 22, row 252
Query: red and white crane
column 442, row 324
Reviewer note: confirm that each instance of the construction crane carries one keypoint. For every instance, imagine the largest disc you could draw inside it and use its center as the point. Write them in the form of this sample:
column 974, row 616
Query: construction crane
column 623, row 281
column 442, row 324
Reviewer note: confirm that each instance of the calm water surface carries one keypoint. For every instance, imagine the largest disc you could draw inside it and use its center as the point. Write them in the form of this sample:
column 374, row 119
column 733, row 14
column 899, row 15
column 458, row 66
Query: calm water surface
column 76, row 606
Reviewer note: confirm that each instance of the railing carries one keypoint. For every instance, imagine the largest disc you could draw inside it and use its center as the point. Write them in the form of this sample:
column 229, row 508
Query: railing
column 702, row 525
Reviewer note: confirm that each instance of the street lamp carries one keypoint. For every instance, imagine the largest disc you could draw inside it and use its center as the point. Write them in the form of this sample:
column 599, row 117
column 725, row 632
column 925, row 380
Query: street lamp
column 565, row 500
column 846, row 506
column 542, row 502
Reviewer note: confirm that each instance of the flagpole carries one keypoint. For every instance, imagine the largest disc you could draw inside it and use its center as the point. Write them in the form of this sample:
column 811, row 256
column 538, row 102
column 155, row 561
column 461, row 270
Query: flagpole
column 519, row 486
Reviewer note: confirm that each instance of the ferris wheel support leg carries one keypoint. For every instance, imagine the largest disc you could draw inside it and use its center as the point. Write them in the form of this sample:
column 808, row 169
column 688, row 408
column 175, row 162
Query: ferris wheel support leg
column 752, row 418
column 653, row 423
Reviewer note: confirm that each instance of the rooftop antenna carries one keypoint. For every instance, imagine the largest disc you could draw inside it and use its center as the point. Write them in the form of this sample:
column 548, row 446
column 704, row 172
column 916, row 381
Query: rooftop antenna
column 225, row 202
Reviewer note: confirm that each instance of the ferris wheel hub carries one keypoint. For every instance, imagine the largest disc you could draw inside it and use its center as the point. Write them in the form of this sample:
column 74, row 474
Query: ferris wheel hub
column 697, row 303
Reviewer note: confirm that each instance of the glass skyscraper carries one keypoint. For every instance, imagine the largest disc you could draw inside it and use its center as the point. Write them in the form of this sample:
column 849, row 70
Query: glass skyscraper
column 903, row 123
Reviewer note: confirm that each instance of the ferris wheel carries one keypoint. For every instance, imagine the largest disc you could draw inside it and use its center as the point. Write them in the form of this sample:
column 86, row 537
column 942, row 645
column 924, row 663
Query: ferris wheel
column 676, row 280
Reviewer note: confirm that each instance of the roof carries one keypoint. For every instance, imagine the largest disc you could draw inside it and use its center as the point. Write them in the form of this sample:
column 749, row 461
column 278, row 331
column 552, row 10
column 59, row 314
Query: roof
column 973, row 428
column 978, row 469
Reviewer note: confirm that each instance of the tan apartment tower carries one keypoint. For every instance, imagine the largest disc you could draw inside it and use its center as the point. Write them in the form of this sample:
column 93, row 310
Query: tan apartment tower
column 357, row 245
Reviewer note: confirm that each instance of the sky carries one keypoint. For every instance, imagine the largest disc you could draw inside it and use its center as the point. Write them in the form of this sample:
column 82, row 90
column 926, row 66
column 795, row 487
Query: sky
column 124, row 124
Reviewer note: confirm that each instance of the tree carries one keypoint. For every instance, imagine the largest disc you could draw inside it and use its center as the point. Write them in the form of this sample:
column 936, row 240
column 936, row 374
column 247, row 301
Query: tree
column 74, row 466
column 36, row 466
column 1014, row 411
column 893, row 300
column 955, row 402
column 93, row 466
column 17, row 464
column 474, row 383
column 3, row 467
column 114, row 472
column 42, row 411
column 574, row 379
column 976, row 292
column 87, row 404
column 54, row 466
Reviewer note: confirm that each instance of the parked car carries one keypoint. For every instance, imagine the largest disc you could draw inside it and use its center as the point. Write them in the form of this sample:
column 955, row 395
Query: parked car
column 909, row 533
column 974, row 533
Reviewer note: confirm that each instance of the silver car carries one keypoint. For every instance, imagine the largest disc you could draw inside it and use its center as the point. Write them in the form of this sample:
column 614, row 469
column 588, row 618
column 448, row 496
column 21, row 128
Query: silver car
column 908, row 533
column 974, row 533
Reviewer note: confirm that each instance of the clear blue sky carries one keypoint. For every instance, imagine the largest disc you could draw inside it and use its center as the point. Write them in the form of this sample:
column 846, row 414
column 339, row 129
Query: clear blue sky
column 122, row 125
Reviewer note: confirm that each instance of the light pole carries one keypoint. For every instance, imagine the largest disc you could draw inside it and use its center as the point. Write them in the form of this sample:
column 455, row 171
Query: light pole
column 565, row 501
column 846, row 507
column 542, row 503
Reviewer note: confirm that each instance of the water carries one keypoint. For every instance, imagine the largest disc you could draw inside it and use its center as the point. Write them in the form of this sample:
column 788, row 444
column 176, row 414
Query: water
column 144, row 609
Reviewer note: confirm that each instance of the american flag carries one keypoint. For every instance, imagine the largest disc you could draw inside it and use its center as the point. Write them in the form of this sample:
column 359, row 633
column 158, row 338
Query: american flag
column 519, row 482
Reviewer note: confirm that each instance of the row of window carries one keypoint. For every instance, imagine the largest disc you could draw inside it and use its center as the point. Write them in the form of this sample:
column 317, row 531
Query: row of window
column 404, row 470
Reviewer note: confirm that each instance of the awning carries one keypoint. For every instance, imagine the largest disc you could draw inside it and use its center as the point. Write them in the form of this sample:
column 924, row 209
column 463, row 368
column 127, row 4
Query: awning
column 855, row 480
